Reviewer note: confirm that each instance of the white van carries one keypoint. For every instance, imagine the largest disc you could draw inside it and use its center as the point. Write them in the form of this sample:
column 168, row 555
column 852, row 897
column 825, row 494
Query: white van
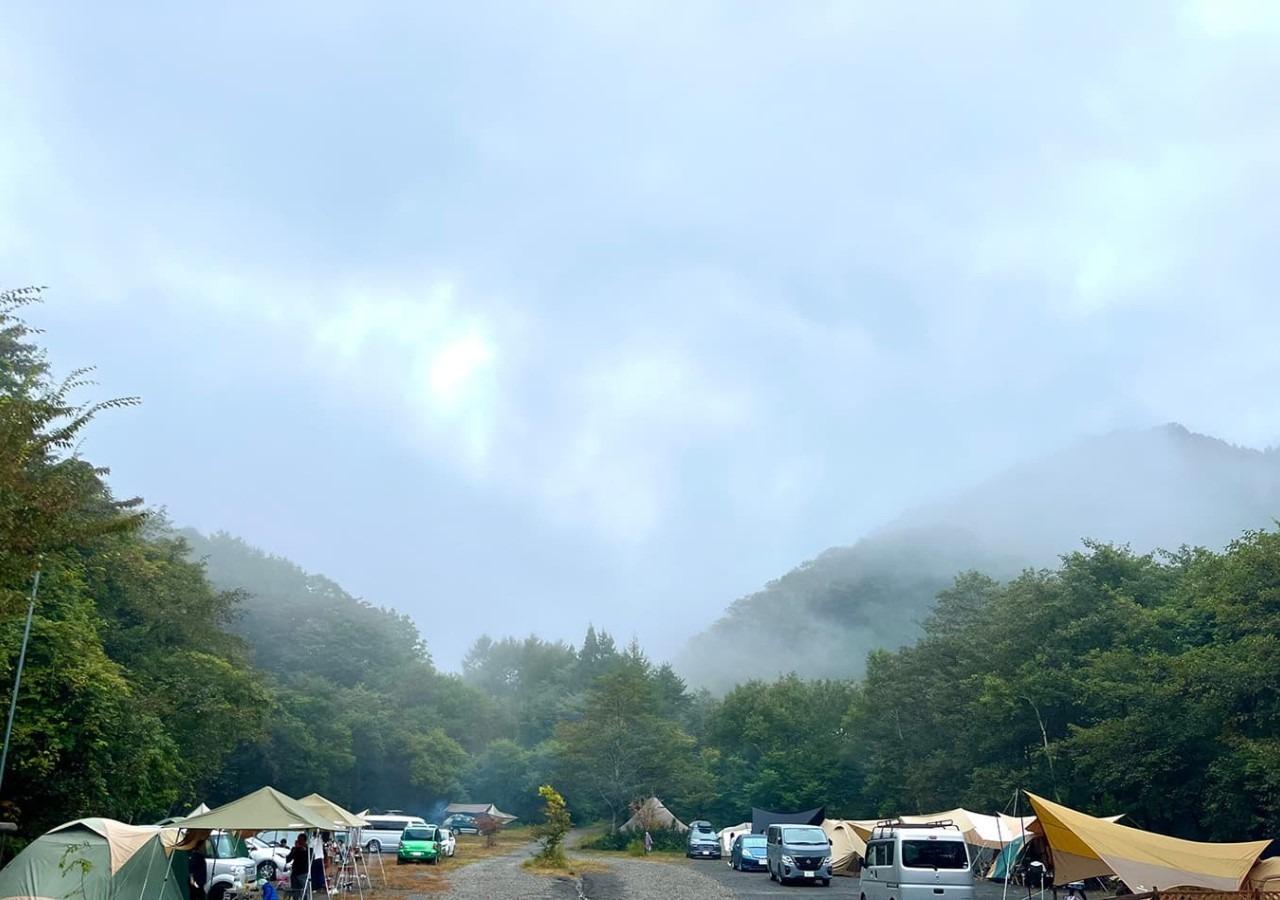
column 916, row 862
column 383, row 832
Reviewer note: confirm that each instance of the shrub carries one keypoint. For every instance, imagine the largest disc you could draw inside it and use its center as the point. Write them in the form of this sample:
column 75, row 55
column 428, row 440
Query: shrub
column 666, row 839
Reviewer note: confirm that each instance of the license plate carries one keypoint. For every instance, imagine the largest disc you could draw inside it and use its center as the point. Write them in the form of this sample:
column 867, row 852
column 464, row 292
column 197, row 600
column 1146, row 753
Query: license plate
column 808, row 874
column 706, row 852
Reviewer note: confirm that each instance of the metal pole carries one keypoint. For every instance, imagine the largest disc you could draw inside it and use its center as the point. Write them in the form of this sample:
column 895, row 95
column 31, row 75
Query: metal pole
column 17, row 680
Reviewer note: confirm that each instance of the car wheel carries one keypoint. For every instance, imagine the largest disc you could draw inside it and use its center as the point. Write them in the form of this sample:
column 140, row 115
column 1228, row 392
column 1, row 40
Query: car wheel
column 826, row 882
column 399, row 861
column 374, row 846
column 218, row 891
column 266, row 870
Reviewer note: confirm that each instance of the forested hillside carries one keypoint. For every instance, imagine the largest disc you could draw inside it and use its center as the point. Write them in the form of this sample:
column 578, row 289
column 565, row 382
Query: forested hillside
column 165, row 669
column 1159, row 488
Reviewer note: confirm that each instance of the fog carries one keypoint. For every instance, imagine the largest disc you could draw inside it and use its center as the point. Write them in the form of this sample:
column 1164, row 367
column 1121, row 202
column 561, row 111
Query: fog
column 517, row 320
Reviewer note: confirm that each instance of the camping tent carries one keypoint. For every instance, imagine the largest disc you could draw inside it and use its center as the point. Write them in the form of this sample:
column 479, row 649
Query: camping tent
column 98, row 859
column 341, row 819
column 763, row 818
column 479, row 809
column 726, row 836
column 1083, row 846
column 266, row 809
column 848, row 844
column 653, row 814
column 980, row 830
column 1265, row 876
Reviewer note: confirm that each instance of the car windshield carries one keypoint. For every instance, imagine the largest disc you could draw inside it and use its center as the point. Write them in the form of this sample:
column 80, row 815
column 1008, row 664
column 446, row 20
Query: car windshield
column 756, row 842
column 808, row 835
column 934, row 855
column 416, row 834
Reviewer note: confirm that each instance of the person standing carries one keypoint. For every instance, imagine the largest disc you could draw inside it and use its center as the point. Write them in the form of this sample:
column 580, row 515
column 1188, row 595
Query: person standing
column 317, row 863
column 299, row 861
column 197, row 872
column 648, row 842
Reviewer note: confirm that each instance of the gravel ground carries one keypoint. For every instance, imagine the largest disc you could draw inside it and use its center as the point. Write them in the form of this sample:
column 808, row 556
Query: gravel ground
column 632, row 879
column 503, row 878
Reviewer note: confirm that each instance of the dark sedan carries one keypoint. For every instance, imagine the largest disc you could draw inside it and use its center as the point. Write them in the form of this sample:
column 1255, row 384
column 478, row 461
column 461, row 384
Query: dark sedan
column 750, row 853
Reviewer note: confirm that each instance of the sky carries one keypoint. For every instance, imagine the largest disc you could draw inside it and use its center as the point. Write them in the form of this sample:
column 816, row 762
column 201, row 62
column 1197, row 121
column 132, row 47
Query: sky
column 519, row 316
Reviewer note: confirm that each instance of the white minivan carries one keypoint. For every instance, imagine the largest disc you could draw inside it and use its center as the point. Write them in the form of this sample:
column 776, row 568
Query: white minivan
column 382, row 834
column 916, row 862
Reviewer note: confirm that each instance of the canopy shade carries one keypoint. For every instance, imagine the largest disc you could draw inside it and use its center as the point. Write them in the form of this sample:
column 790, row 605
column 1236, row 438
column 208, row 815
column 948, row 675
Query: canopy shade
column 1084, row 846
column 480, row 809
column 763, row 818
column 266, row 809
column 332, row 811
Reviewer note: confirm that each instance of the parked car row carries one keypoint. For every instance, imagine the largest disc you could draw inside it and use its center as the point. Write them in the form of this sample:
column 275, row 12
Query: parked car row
column 903, row 862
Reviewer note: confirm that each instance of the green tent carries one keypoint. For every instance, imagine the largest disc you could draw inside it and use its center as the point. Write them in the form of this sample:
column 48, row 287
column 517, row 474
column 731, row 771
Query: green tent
column 98, row 859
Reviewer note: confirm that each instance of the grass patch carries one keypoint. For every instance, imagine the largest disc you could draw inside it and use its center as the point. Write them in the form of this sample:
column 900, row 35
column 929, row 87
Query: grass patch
column 573, row 866
column 401, row 881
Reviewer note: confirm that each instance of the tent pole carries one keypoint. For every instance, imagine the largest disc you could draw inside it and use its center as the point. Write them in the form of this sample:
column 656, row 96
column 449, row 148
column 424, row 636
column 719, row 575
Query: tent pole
column 22, row 659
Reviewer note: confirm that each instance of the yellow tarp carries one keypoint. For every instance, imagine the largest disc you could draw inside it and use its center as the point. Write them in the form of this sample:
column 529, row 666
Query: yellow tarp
column 1084, row 846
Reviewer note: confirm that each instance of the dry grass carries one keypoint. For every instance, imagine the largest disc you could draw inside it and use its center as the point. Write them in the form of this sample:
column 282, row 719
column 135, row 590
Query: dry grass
column 401, row 881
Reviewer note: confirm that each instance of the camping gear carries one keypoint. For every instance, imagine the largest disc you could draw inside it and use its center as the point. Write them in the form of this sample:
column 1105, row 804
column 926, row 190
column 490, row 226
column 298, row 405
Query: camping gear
column 1083, row 846
column 98, row 859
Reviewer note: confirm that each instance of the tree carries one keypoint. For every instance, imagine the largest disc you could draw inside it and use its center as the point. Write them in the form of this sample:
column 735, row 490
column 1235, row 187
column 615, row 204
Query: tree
column 555, row 825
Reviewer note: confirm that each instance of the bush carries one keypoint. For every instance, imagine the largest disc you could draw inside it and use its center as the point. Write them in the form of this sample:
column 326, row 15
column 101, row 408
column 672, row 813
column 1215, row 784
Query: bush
column 552, row 831
column 664, row 839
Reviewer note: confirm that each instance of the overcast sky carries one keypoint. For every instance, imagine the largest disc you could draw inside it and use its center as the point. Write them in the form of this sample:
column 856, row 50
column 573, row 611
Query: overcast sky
column 515, row 316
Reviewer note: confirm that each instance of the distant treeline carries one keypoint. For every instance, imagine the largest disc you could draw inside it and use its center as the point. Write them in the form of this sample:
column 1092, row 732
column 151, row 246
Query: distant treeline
column 168, row 668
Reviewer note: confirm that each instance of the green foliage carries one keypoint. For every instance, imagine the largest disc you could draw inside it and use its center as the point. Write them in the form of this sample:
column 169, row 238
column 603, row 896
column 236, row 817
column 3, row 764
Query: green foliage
column 554, row 826
column 665, row 840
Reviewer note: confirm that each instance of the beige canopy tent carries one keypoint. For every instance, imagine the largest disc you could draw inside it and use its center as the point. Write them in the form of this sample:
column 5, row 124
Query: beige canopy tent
column 1265, row 876
column 266, row 809
column 341, row 818
column 1084, row 846
column 848, row 843
column 653, row 814
column 979, row 829
column 726, row 836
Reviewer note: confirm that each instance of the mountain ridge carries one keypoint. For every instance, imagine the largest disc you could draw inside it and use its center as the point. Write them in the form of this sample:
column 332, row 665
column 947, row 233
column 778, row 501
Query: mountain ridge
column 1149, row 489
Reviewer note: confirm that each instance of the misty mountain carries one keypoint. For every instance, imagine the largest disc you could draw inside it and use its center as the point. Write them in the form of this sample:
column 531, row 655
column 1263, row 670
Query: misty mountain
column 1150, row 489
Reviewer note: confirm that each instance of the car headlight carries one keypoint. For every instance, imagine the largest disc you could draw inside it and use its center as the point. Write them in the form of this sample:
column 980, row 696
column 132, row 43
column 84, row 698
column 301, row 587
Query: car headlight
column 787, row 860
column 826, row 860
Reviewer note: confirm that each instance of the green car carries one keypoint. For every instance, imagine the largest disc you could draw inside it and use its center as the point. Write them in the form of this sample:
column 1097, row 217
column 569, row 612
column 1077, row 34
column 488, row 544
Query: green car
column 419, row 844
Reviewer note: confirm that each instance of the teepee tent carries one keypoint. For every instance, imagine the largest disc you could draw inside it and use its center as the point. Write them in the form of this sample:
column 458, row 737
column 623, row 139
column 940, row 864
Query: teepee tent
column 653, row 814
column 1084, row 846
column 98, row 859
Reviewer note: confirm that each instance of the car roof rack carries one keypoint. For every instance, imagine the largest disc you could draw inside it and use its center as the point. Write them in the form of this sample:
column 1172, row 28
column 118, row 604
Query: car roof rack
column 890, row 825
